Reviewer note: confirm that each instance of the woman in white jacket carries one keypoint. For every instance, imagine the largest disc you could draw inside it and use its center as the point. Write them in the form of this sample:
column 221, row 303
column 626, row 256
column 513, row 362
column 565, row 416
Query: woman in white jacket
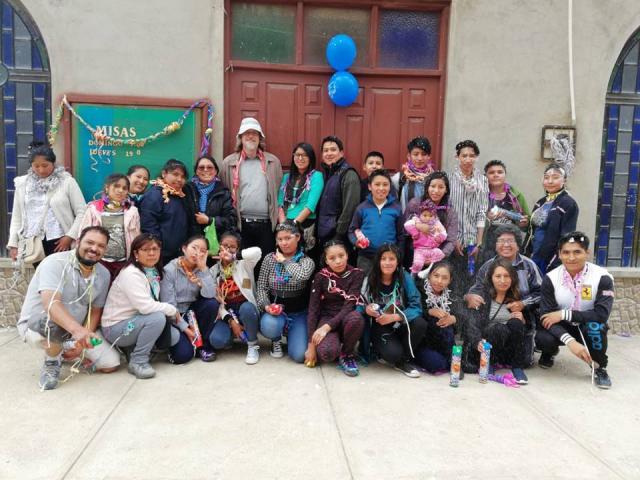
column 133, row 316
column 238, row 315
column 48, row 203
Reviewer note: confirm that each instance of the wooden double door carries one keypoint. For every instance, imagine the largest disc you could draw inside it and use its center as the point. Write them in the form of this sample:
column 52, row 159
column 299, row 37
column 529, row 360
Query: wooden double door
column 295, row 107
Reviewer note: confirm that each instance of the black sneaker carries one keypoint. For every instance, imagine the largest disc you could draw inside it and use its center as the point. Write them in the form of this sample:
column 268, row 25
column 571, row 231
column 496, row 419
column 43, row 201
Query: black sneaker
column 545, row 361
column 408, row 369
column 602, row 378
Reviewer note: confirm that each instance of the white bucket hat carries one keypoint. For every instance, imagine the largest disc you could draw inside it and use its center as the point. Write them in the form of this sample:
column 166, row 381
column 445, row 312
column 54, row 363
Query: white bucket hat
column 250, row 123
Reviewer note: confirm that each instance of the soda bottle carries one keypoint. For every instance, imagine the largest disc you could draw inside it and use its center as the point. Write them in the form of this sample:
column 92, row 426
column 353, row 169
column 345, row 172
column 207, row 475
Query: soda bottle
column 456, row 363
column 485, row 358
column 471, row 260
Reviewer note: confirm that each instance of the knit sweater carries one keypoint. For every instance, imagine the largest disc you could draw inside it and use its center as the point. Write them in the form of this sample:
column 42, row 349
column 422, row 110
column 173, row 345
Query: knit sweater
column 66, row 201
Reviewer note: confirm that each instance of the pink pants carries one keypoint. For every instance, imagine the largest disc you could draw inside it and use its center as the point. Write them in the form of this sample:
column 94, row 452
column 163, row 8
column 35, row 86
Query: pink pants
column 423, row 256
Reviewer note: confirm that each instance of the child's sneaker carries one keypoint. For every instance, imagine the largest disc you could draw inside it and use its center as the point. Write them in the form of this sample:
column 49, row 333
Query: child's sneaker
column 253, row 355
column 520, row 376
column 348, row 365
column 276, row 349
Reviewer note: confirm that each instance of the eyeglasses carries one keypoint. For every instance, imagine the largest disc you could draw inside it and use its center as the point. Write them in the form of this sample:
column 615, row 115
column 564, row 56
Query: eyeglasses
column 206, row 167
column 505, row 242
column 300, row 155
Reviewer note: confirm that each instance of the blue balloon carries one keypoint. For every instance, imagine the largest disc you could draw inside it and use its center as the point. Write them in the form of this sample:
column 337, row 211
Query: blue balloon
column 343, row 89
column 341, row 52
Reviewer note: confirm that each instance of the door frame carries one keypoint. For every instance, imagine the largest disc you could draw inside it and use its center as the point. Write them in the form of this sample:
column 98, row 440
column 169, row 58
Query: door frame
column 442, row 6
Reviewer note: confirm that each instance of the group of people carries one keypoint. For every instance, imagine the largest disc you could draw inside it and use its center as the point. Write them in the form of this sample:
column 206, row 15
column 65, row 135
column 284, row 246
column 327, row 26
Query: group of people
column 324, row 264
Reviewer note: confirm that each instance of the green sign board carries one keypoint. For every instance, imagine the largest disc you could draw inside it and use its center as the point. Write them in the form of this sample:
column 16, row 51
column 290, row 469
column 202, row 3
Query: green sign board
column 92, row 161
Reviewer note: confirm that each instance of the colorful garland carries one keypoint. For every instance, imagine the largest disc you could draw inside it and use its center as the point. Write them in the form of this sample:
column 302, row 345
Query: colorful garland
column 102, row 138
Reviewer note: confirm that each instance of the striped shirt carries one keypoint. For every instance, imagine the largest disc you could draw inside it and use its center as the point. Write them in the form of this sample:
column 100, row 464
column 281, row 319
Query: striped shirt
column 471, row 204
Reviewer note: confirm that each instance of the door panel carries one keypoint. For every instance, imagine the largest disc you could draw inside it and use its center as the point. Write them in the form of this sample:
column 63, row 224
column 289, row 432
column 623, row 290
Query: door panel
column 290, row 107
column 294, row 107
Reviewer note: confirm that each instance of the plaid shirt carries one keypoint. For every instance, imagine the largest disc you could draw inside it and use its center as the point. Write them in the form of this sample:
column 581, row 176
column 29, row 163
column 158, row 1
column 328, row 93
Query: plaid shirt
column 268, row 290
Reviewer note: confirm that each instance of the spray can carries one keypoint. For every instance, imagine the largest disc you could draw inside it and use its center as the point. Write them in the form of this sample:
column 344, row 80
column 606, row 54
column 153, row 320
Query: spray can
column 510, row 214
column 193, row 323
column 471, row 260
column 485, row 359
column 456, row 363
column 243, row 336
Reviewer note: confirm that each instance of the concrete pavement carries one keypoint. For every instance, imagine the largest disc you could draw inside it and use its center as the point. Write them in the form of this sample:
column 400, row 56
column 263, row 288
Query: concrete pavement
column 282, row 420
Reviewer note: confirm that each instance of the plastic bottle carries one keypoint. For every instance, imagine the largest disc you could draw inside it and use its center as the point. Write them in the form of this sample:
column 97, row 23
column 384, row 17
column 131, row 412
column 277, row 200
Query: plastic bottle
column 485, row 359
column 456, row 364
column 71, row 344
column 510, row 214
column 471, row 260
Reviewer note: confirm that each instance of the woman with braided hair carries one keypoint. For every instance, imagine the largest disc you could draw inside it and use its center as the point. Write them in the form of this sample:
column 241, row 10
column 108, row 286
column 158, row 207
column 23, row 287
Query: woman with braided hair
column 333, row 323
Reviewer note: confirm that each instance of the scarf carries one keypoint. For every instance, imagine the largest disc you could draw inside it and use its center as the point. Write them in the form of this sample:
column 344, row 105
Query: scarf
column 434, row 300
column 416, row 174
column 36, row 184
column 205, row 190
column 387, row 300
column 508, row 194
column 470, row 184
column 105, row 203
column 136, row 198
column 552, row 196
column 282, row 277
column 293, row 191
column 167, row 190
column 192, row 277
column 574, row 285
column 154, row 281
column 236, row 173
column 332, row 286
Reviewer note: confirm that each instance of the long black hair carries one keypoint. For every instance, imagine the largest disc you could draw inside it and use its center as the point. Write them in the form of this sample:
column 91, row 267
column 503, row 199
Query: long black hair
column 513, row 294
column 375, row 276
column 438, row 175
column 295, row 178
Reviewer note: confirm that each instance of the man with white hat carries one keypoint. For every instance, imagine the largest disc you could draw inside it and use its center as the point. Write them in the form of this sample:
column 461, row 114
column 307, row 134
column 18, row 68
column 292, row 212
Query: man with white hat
column 253, row 176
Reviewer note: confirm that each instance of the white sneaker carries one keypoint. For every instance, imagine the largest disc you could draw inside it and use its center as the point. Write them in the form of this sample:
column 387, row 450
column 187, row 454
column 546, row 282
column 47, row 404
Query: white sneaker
column 253, row 355
column 276, row 349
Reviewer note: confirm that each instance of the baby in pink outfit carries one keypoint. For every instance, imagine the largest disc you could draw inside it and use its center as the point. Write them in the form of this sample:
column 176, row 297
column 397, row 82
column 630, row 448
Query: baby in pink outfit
column 425, row 245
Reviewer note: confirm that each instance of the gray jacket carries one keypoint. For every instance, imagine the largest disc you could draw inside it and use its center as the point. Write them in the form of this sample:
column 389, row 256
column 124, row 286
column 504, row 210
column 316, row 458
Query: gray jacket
column 176, row 289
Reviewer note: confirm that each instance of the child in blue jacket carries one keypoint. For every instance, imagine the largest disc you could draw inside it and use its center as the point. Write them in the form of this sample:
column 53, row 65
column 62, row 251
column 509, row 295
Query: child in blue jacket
column 377, row 221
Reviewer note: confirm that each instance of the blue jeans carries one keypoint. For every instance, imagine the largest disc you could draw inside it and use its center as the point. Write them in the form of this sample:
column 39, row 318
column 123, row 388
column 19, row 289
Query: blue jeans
column 273, row 326
column 222, row 337
column 206, row 310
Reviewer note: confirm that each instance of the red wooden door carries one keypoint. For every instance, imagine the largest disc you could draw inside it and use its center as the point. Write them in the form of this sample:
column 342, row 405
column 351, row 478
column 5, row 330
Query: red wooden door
column 274, row 75
column 290, row 107
column 386, row 115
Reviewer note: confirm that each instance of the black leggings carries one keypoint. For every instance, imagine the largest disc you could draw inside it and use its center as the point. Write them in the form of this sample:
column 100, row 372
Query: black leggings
column 392, row 344
column 507, row 343
column 595, row 335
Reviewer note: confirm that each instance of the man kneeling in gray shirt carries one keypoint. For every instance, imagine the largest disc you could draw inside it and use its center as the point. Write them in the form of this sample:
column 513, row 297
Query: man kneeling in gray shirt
column 63, row 305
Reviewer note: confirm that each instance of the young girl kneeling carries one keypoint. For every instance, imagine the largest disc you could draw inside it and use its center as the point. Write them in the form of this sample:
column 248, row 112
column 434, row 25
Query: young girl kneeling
column 238, row 315
column 333, row 322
